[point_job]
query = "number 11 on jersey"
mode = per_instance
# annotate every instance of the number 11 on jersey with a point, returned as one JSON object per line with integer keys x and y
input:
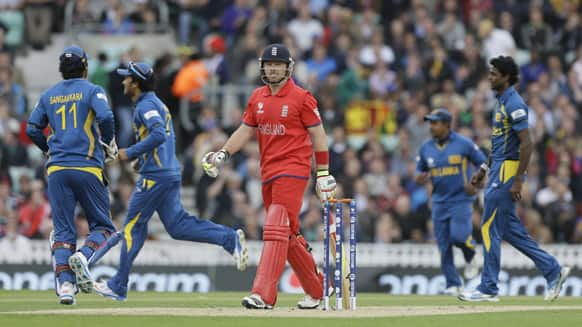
{"x": 63, "y": 112}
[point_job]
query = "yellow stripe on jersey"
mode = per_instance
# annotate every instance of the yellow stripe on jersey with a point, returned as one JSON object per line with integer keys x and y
{"x": 464, "y": 169}
{"x": 87, "y": 129}
{"x": 92, "y": 170}
{"x": 469, "y": 243}
{"x": 508, "y": 170}
{"x": 127, "y": 231}
{"x": 157, "y": 158}
{"x": 485, "y": 231}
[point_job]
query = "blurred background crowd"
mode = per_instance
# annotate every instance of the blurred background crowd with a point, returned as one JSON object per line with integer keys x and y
{"x": 376, "y": 68}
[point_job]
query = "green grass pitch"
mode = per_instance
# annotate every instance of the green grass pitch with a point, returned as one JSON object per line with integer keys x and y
{"x": 26, "y": 308}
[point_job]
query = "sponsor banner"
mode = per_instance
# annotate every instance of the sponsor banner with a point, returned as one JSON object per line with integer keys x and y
{"x": 390, "y": 280}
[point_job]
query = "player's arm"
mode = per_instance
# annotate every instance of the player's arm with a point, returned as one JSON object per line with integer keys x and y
{"x": 212, "y": 161}
{"x": 525, "y": 150}
{"x": 103, "y": 115}
{"x": 325, "y": 183}
{"x": 519, "y": 123}
{"x": 35, "y": 125}
{"x": 238, "y": 139}
{"x": 477, "y": 158}
{"x": 153, "y": 122}
{"x": 422, "y": 175}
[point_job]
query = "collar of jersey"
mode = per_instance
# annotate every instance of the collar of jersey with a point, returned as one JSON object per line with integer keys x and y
{"x": 449, "y": 138}
{"x": 283, "y": 92}
{"x": 143, "y": 95}
{"x": 509, "y": 92}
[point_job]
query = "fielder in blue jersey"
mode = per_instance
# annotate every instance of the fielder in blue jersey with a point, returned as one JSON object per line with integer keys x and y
{"x": 511, "y": 149}
{"x": 445, "y": 160}
{"x": 158, "y": 186}
{"x": 71, "y": 110}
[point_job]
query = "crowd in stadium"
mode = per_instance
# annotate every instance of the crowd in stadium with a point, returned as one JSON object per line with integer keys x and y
{"x": 375, "y": 67}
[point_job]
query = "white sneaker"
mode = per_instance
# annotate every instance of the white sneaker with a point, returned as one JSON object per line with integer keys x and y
{"x": 78, "y": 264}
{"x": 476, "y": 296}
{"x": 555, "y": 286}
{"x": 308, "y": 303}
{"x": 453, "y": 291}
{"x": 254, "y": 301}
{"x": 241, "y": 253}
{"x": 67, "y": 293}
{"x": 103, "y": 289}
{"x": 471, "y": 269}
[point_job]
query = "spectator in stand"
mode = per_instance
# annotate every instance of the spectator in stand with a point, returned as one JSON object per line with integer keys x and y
{"x": 305, "y": 29}
{"x": 39, "y": 19}
{"x": 13, "y": 92}
{"x": 117, "y": 22}
{"x": 34, "y": 211}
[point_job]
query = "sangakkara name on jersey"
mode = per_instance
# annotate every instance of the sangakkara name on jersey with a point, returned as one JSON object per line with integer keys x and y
{"x": 272, "y": 129}
{"x": 445, "y": 171}
{"x": 66, "y": 98}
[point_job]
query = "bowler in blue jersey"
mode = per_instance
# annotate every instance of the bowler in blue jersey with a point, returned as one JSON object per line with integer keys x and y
{"x": 80, "y": 121}
{"x": 446, "y": 160}
{"x": 158, "y": 186}
{"x": 511, "y": 148}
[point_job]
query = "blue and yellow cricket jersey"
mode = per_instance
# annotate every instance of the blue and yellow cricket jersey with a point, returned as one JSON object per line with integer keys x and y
{"x": 448, "y": 166}
{"x": 156, "y": 141}
{"x": 70, "y": 109}
{"x": 510, "y": 117}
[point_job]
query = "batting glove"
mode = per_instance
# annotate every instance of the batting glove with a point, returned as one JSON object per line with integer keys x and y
{"x": 325, "y": 185}
{"x": 111, "y": 150}
{"x": 212, "y": 161}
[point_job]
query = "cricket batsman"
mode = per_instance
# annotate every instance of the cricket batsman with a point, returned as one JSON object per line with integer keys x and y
{"x": 511, "y": 148}
{"x": 72, "y": 109}
{"x": 286, "y": 121}
{"x": 444, "y": 160}
{"x": 158, "y": 186}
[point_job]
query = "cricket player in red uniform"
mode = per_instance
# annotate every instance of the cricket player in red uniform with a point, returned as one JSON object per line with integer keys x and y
{"x": 289, "y": 131}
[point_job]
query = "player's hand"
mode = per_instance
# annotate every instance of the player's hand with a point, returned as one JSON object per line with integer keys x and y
{"x": 325, "y": 187}
{"x": 515, "y": 189}
{"x": 422, "y": 178}
{"x": 212, "y": 161}
{"x": 111, "y": 150}
{"x": 470, "y": 189}
{"x": 477, "y": 178}
{"x": 123, "y": 154}
{"x": 135, "y": 165}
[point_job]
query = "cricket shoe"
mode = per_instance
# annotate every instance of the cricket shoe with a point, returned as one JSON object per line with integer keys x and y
{"x": 103, "y": 289}
{"x": 308, "y": 303}
{"x": 67, "y": 293}
{"x": 241, "y": 253}
{"x": 453, "y": 291}
{"x": 254, "y": 301}
{"x": 80, "y": 267}
{"x": 477, "y": 296}
{"x": 555, "y": 286}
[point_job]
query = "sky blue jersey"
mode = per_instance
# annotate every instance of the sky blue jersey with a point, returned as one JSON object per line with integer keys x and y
{"x": 510, "y": 117}
{"x": 156, "y": 142}
{"x": 71, "y": 109}
{"x": 448, "y": 165}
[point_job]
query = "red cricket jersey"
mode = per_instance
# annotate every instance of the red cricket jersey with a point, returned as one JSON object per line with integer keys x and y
{"x": 281, "y": 121}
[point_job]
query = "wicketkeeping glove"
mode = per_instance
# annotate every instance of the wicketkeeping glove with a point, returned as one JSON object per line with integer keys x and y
{"x": 111, "y": 150}
{"x": 212, "y": 161}
{"x": 325, "y": 185}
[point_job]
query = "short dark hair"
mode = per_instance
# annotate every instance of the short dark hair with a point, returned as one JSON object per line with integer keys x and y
{"x": 506, "y": 67}
{"x": 145, "y": 86}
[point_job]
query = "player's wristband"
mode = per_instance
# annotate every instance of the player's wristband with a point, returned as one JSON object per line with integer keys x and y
{"x": 226, "y": 154}
{"x": 322, "y": 158}
{"x": 323, "y": 172}
{"x": 484, "y": 167}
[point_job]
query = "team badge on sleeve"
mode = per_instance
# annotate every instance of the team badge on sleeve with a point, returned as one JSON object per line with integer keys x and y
{"x": 102, "y": 96}
{"x": 518, "y": 114}
{"x": 151, "y": 113}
